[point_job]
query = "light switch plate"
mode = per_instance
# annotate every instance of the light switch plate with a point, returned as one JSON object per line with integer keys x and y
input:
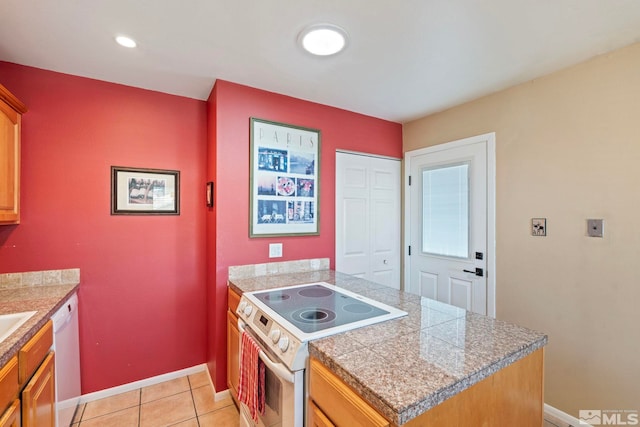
{"x": 275, "y": 250}
{"x": 595, "y": 227}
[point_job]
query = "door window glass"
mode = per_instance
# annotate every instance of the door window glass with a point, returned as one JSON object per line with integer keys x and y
{"x": 445, "y": 210}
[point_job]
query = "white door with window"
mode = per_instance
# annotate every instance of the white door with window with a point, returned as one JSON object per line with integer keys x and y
{"x": 368, "y": 217}
{"x": 450, "y": 217}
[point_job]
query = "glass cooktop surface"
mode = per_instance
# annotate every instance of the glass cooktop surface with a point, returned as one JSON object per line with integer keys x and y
{"x": 315, "y": 307}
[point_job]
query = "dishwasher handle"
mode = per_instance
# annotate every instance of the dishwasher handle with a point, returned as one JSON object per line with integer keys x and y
{"x": 277, "y": 368}
{"x": 64, "y": 313}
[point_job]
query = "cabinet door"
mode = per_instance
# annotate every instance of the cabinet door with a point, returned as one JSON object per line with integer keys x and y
{"x": 233, "y": 354}
{"x": 9, "y": 163}
{"x": 317, "y": 418}
{"x": 11, "y": 417}
{"x": 39, "y": 398}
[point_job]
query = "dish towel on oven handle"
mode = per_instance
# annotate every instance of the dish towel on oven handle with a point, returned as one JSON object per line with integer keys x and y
{"x": 251, "y": 385}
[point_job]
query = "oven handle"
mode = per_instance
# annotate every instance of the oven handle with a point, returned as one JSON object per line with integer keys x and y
{"x": 277, "y": 368}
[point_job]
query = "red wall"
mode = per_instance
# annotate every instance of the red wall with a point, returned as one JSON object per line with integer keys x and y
{"x": 142, "y": 293}
{"x": 230, "y": 107}
{"x": 153, "y": 286}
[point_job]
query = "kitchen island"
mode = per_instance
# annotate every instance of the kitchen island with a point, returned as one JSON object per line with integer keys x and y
{"x": 437, "y": 362}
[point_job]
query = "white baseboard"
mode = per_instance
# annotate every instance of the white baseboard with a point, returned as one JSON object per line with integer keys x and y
{"x": 145, "y": 383}
{"x": 553, "y": 414}
{"x": 221, "y": 395}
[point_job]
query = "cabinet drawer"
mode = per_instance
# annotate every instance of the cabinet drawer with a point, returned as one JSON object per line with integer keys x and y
{"x": 8, "y": 382}
{"x": 11, "y": 417}
{"x": 34, "y": 352}
{"x": 233, "y": 299}
{"x": 338, "y": 402}
{"x": 317, "y": 418}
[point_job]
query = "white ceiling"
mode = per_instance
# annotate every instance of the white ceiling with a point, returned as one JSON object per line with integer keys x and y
{"x": 405, "y": 59}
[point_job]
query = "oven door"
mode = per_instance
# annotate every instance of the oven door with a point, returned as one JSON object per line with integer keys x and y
{"x": 284, "y": 392}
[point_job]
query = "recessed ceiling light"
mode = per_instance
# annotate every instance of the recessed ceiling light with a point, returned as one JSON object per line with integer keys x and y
{"x": 126, "y": 41}
{"x": 323, "y": 39}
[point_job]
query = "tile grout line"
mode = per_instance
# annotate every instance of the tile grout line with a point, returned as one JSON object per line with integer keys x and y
{"x": 84, "y": 406}
{"x": 140, "y": 408}
{"x": 193, "y": 401}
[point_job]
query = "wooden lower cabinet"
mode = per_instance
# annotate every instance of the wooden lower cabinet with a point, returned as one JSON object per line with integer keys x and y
{"x": 513, "y": 396}
{"x": 27, "y": 384}
{"x": 34, "y": 352}
{"x": 11, "y": 417}
{"x": 336, "y": 402}
{"x": 39, "y": 396}
{"x": 317, "y": 418}
{"x": 233, "y": 345}
{"x": 233, "y": 356}
{"x": 9, "y": 389}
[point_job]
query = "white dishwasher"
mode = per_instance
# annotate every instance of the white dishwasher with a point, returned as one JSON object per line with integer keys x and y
{"x": 66, "y": 345}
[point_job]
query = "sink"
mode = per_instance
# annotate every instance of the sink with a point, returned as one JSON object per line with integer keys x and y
{"x": 10, "y": 322}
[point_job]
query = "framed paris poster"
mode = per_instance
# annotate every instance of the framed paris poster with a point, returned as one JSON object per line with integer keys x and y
{"x": 285, "y": 178}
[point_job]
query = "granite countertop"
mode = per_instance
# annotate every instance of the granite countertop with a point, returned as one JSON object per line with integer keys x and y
{"x": 406, "y": 366}
{"x": 44, "y": 300}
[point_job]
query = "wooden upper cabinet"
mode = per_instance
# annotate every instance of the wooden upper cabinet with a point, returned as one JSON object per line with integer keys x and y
{"x": 11, "y": 110}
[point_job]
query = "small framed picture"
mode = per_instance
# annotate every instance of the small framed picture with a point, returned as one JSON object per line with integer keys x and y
{"x": 138, "y": 191}
{"x": 538, "y": 226}
{"x": 209, "y": 194}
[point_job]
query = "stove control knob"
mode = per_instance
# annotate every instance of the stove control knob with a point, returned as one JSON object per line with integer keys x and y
{"x": 247, "y": 310}
{"x": 283, "y": 344}
{"x": 275, "y": 335}
{"x": 241, "y": 307}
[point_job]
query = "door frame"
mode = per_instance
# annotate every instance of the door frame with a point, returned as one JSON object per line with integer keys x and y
{"x": 490, "y": 139}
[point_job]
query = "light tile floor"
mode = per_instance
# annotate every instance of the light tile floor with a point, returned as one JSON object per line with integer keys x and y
{"x": 187, "y": 401}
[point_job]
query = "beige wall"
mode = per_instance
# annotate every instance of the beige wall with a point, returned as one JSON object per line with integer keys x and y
{"x": 568, "y": 149}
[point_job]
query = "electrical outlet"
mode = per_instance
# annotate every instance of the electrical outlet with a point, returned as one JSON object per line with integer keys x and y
{"x": 595, "y": 227}
{"x": 275, "y": 250}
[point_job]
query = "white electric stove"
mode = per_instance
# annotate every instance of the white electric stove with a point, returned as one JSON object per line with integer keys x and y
{"x": 287, "y": 318}
{"x": 282, "y": 321}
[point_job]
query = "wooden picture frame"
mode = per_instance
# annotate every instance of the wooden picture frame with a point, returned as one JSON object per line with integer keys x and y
{"x": 143, "y": 191}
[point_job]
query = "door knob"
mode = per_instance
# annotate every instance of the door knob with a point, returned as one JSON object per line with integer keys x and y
{"x": 479, "y": 272}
